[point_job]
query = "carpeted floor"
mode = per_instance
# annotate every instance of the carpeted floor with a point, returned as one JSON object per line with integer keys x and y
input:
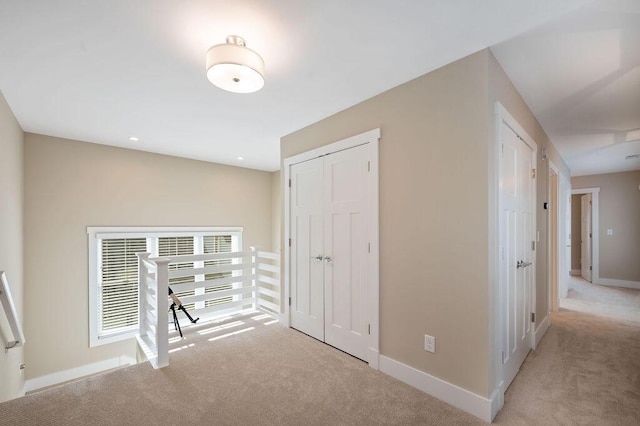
{"x": 251, "y": 371}
{"x": 586, "y": 370}
{"x": 244, "y": 371}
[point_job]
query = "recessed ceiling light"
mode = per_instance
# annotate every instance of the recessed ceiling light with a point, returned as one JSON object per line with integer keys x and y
{"x": 133, "y": 138}
{"x": 240, "y": 158}
{"x": 632, "y": 157}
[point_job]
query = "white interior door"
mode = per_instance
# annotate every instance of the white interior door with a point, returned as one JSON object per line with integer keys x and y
{"x": 567, "y": 255}
{"x": 517, "y": 186}
{"x": 307, "y": 230}
{"x": 328, "y": 219}
{"x": 585, "y": 237}
{"x": 345, "y": 203}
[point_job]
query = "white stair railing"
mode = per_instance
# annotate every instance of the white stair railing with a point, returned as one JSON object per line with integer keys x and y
{"x": 12, "y": 316}
{"x": 251, "y": 280}
{"x": 267, "y": 278}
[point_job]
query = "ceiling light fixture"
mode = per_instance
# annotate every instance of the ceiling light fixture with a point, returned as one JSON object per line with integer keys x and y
{"x": 133, "y": 138}
{"x": 234, "y": 67}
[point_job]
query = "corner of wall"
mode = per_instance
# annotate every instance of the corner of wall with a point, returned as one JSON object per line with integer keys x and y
{"x": 11, "y": 243}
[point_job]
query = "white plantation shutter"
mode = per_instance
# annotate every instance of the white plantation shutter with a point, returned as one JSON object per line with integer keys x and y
{"x": 177, "y": 246}
{"x": 217, "y": 244}
{"x": 118, "y": 301}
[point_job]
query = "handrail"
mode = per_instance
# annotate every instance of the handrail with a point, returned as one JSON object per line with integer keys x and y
{"x": 257, "y": 274}
{"x": 10, "y": 312}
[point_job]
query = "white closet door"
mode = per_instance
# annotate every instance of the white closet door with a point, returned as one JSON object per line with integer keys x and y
{"x": 307, "y": 231}
{"x": 345, "y": 248}
{"x": 329, "y": 202}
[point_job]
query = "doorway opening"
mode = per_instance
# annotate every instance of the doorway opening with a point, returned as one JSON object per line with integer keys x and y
{"x": 585, "y": 234}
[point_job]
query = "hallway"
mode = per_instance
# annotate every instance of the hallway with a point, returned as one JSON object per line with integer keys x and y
{"x": 586, "y": 370}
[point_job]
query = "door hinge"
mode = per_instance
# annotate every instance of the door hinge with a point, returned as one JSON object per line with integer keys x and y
{"x": 533, "y": 246}
{"x": 590, "y": 236}
{"x": 369, "y": 329}
{"x": 533, "y": 173}
{"x": 503, "y": 357}
{"x": 289, "y": 183}
{"x": 502, "y": 150}
{"x": 289, "y": 242}
{"x": 533, "y": 317}
{"x": 368, "y": 166}
{"x": 289, "y": 301}
{"x": 369, "y": 247}
{"x": 591, "y": 268}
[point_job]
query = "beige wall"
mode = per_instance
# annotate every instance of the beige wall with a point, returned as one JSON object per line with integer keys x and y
{"x": 576, "y": 225}
{"x": 11, "y": 260}
{"x": 70, "y": 185}
{"x": 433, "y": 215}
{"x": 436, "y": 170}
{"x": 619, "y": 200}
{"x": 501, "y": 89}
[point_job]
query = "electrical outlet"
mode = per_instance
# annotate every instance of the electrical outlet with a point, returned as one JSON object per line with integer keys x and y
{"x": 429, "y": 343}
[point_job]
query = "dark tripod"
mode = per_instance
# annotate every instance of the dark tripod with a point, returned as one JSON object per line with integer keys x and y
{"x": 178, "y": 303}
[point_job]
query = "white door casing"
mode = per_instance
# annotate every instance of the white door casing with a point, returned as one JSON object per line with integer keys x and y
{"x": 553, "y": 238}
{"x": 566, "y": 270}
{"x": 350, "y": 253}
{"x": 585, "y": 237}
{"x": 516, "y": 261}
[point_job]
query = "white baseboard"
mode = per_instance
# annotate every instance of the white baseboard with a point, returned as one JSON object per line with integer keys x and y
{"x": 575, "y": 272}
{"x": 463, "y": 399}
{"x": 542, "y": 328}
{"x": 76, "y": 373}
{"x": 618, "y": 283}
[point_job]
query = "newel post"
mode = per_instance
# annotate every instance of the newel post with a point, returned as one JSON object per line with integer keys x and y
{"x": 162, "y": 309}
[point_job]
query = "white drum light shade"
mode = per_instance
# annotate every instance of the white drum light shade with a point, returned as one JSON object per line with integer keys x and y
{"x": 234, "y": 67}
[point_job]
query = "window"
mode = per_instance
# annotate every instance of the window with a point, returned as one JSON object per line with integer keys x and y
{"x": 113, "y": 271}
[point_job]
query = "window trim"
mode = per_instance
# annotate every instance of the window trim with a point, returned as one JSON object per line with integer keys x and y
{"x": 97, "y": 233}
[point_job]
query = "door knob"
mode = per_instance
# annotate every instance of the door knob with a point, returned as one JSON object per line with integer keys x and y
{"x": 522, "y": 264}
{"x": 318, "y": 258}
{"x": 328, "y": 259}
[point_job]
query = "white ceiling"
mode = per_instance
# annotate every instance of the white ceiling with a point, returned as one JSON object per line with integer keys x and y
{"x": 101, "y": 71}
{"x": 580, "y": 75}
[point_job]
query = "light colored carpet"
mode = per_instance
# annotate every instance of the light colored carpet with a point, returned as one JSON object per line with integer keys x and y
{"x": 615, "y": 303}
{"x": 250, "y": 371}
{"x": 268, "y": 375}
{"x": 586, "y": 370}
